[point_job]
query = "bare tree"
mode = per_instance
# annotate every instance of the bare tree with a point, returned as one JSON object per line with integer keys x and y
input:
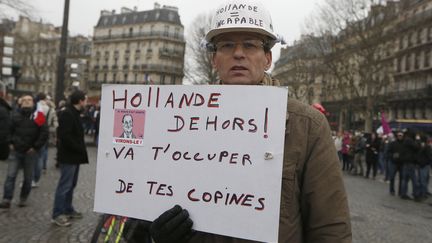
{"x": 21, "y": 6}
{"x": 33, "y": 58}
{"x": 299, "y": 72}
{"x": 199, "y": 69}
{"x": 354, "y": 37}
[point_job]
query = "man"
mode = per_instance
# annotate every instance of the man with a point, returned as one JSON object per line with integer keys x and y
{"x": 395, "y": 151}
{"x": 4, "y": 128}
{"x": 313, "y": 199}
{"x": 49, "y": 114}
{"x": 28, "y": 137}
{"x": 71, "y": 153}
{"x": 127, "y": 122}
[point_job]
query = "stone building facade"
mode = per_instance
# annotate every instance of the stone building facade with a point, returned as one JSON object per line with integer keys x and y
{"x": 404, "y": 58}
{"x": 137, "y": 47}
{"x": 36, "y": 54}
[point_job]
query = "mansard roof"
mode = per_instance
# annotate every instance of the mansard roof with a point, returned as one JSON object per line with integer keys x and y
{"x": 132, "y": 18}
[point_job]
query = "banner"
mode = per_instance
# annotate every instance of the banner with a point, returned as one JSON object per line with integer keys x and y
{"x": 217, "y": 151}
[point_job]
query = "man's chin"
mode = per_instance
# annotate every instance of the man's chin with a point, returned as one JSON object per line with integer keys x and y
{"x": 239, "y": 81}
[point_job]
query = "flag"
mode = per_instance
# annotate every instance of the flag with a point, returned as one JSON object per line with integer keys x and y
{"x": 384, "y": 124}
{"x": 38, "y": 115}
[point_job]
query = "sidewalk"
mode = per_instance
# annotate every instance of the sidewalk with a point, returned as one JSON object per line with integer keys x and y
{"x": 33, "y": 223}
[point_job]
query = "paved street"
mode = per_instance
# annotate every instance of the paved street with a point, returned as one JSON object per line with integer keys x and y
{"x": 376, "y": 216}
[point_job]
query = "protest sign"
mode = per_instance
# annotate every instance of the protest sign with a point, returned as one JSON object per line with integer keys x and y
{"x": 215, "y": 150}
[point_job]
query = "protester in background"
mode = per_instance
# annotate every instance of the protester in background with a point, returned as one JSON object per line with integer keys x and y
{"x": 42, "y": 105}
{"x": 97, "y": 121}
{"x": 71, "y": 153}
{"x": 314, "y": 206}
{"x": 5, "y": 123}
{"x": 337, "y": 139}
{"x": 60, "y": 108}
{"x": 408, "y": 156}
{"x": 346, "y": 155}
{"x": 29, "y": 134}
{"x": 52, "y": 121}
{"x": 424, "y": 158}
{"x": 373, "y": 143}
{"x": 396, "y": 148}
{"x": 359, "y": 153}
{"x": 384, "y": 155}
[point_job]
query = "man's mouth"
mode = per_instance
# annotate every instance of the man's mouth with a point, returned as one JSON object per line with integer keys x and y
{"x": 238, "y": 68}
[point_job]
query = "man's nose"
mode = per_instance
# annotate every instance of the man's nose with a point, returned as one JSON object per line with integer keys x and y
{"x": 238, "y": 50}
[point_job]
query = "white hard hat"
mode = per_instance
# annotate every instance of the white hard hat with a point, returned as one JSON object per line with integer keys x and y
{"x": 243, "y": 15}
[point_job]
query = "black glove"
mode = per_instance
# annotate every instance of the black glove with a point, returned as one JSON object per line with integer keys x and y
{"x": 174, "y": 225}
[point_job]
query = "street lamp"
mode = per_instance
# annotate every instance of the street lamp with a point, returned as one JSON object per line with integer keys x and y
{"x": 62, "y": 55}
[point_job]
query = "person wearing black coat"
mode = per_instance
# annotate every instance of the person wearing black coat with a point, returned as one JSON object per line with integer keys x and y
{"x": 424, "y": 159}
{"x": 410, "y": 149}
{"x": 373, "y": 143}
{"x": 5, "y": 123}
{"x": 28, "y": 134}
{"x": 71, "y": 154}
{"x": 394, "y": 155}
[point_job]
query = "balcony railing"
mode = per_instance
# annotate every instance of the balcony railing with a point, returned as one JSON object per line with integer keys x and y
{"x": 161, "y": 68}
{"x": 148, "y": 34}
{"x": 169, "y": 53}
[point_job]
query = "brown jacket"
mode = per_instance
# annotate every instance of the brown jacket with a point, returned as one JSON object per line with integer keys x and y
{"x": 314, "y": 207}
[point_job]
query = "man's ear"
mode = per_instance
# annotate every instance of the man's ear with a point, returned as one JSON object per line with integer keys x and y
{"x": 269, "y": 59}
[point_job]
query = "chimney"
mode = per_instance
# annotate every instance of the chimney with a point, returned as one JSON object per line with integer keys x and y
{"x": 125, "y": 10}
{"x": 156, "y": 5}
{"x": 105, "y": 12}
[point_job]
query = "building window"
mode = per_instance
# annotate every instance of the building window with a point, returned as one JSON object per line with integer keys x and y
{"x": 176, "y": 32}
{"x": 125, "y": 77}
{"x": 429, "y": 37}
{"x": 96, "y": 77}
{"x": 407, "y": 66}
{"x": 419, "y": 34}
{"x": 411, "y": 39}
{"x": 427, "y": 58}
{"x": 162, "y": 79}
{"x": 399, "y": 65}
{"x": 417, "y": 57}
{"x": 136, "y": 78}
{"x": 114, "y": 78}
{"x": 166, "y": 30}
{"x": 105, "y": 77}
{"x": 173, "y": 78}
{"x": 130, "y": 32}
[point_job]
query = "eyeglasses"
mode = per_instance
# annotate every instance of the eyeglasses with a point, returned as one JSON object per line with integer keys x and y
{"x": 248, "y": 46}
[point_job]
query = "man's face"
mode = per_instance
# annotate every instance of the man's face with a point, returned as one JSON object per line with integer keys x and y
{"x": 27, "y": 101}
{"x": 127, "y": 124}
{"x": 240, "y": 58}
{"x": 399, "y": 136}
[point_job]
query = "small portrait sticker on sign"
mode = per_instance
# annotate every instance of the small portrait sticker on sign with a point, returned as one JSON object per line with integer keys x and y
{"x": 129, "y": 126}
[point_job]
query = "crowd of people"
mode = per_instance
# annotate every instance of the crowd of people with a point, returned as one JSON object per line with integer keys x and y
{"x": 30, "y": 124}
{"x": 403, "y": 153}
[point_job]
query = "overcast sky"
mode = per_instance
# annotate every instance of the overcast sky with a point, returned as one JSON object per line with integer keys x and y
{"x": 287, "y": 14}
